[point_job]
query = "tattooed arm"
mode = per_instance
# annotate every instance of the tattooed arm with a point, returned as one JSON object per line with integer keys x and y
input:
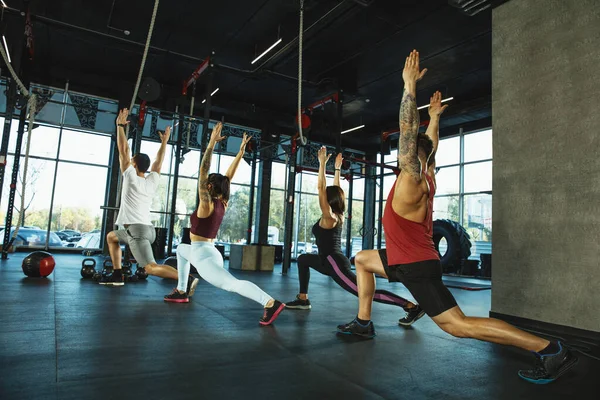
{"x": 205, "y": 200}
{"x": 409, "y": 118}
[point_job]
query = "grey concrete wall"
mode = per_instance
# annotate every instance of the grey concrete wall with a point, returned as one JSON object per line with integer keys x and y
{"x": 546, "y": 124}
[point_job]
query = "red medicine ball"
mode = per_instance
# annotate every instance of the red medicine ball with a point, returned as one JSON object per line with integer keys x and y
{"x": 38, "y": 264}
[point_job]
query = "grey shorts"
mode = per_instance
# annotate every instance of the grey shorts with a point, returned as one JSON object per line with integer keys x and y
{"x": 139, "y": 238}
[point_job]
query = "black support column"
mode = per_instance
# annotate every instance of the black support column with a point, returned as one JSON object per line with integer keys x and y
{"x": 25, "y": 63}
{"x": 178, "y": 155}
{"x": 288, "y": 235}
{"x": 369, "y": 204}
{"x": 251, "y": 210}
{"x": 11, "y": 98}
{"x": 263, "y": 203}
{"x": 350, "y": 220}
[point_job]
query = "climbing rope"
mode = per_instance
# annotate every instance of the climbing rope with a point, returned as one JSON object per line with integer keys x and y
{"x": 141, "y": 71}
{"x": 31, "y": 109}
{"x": 300, "y": 36}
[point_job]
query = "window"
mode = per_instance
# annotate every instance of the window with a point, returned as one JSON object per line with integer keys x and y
{"x": 478, "y": 222}
{"x": 478, "y": 177}
{"x": 79, "y": 209}
{"x": 357, "y": 226}
{"x": 243, "y": 173}
{"x": 276, "y": 216}
{"x": 84, "y": 147}
{"x": 448, "y": 180}
{"x": 44, "y": 140}
{"x": 478, "y": 146}
{"x": 446, "y": 208}
{"x": 448, "y": 152}
{"x": 38, "y": 192}
{"x": 234, "y": 228}
{"x": 278, "y": 175}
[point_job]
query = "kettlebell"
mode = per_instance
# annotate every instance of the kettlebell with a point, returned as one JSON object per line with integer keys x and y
{"x": 141, "y": 273}
{"x": 88, "y": 268}
{"x": 108, "y": 268}
{"x": 127, "y": 270}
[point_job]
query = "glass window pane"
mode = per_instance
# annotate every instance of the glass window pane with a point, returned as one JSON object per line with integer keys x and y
{"x": 391, "y": 158}
{"x": 357, "y": 225}
{"x": 446, "y": 208}
{"x": 187, "y": 192}
{"x": 276, "y": 215}
{"x": 478, "y": 177}
{"x": 38, "y": 192}
{"x": 85, "y": 147}
{"x": 235, "y": 222}
{"x": 448, "y": 152}
{"x": 151, "y": 149}
{"x": 478, "y": 146}
{"x": 161, "y": 202}
{"x": 44, "y": 140}
{"x": 478, "y": 222}
{"x": 278, "y": 175}
{"x": 244, "y": 170}
{"x": 79, "y": 210}
{"x": 448, "y": 180}
{"x": 358, "y": 189}
{"x": 310, "y": 212}
{"x": 190, "y": 165}
{"x": 309, "y": 182}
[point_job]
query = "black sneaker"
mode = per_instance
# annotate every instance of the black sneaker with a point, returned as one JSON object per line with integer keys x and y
{"x": 191, "y": 286}
{"x": 412, "y": 315}
{"x": 298, "y": 304}
{"x": 112, "y": 280}
{"x": 354, "y": 328}
{"x": 549, "y": 368}
{"x": 272, "y": 313}
{"x": 176, "y": 297}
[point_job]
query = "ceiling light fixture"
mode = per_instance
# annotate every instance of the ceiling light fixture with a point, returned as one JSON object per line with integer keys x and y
{"x": 443, "y": 101}
{"x": 4, "y": 4}
{"x": 353, "y": 129}
{"x": 266, "y": 51}
{"x": 6, "y": 48}
{"x": 212, "y": 94}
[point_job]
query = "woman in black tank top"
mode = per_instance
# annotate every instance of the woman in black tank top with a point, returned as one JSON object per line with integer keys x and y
{"x": 328, "y": 233}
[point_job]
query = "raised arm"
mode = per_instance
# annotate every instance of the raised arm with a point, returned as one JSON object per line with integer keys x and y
{"x": 338, "y": 166}
{"x": 122, "y": 145}
{"x": 236, "y": 161}
{"x": 160, "y": 156}
{"x": 322, "y": 185}
{"x": 409, "y": 118}
{"x": 435, "y": 111}
{"x": 203, "y": 193}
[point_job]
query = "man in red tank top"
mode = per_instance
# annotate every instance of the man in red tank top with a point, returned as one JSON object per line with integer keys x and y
{"x": 411, "y": 257}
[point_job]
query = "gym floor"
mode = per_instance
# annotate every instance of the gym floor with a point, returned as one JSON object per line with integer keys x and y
{"x": 68, "y": 338}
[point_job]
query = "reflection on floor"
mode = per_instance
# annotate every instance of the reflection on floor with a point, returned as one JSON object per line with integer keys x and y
{"x": 68, "y": 338}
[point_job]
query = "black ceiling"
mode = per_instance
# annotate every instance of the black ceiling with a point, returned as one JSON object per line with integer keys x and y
{"x": 359, "y": 49}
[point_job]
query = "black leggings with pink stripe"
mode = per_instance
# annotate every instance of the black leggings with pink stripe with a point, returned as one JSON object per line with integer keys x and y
{"x": 338, "y": 267}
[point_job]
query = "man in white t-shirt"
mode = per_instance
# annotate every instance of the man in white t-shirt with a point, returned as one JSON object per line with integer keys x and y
{"x": 135, "y": 225}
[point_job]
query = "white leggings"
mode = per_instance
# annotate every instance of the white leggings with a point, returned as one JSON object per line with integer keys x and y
{"x": 209, "y": 263}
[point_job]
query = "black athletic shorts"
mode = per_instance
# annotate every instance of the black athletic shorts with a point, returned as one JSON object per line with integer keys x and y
{"x": 424, "y": 281}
